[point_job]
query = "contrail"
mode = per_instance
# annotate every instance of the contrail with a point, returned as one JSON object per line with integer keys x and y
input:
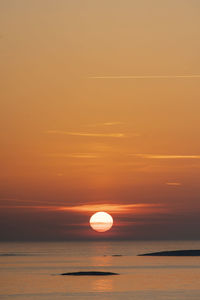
{"x": 146, "y": 77}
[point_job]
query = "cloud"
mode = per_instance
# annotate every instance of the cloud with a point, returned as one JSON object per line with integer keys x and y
{"x": 112, "y": 208}
{"x": 147, "y": 77}
{"x": 39, "y": 207}
{"x": 168, "y": 156}
{"x": 112, "y": 123}
{"x": 105, "y": 124}
{"x": 87, "y": 134}
{"x": 74, "y": 155}
{"x": 8, "y": 199}
{"x": 173, "y": 183}
{"x": 139, "y": 208}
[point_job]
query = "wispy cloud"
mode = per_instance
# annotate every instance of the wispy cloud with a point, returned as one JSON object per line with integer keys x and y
{"x": 112, "y": 123}
{"x": 8, "y": 199}
{"x": 139, "y": 208}
{"x": 38, "y": 207}
{"x": 173, "y": 183}
{"x": 168, "y": 156}
{"x": 112, "y": 208}
{"x": 146, "y": 76}
{"x": 87, "y": 134}
{"x": 73, "y": 155}
{"x": 105, "y": 124}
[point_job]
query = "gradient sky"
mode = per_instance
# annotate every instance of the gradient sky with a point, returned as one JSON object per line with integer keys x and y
{"x": 99, "y": 111}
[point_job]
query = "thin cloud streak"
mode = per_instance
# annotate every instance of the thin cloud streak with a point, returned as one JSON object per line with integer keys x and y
{"x": 112, "y": 208}
{"x": 160, "y": 156}
{"x": 39, "y": 207}
{"x": 173, "y": 183}
{"x": 73, "y": 155}
{"x": 106, "y": 124}
{"x": 142, "y": 208}
{"x": 87, "y": 134}
{"x": 147, "y": 77}
{"x": 112, "y": 123}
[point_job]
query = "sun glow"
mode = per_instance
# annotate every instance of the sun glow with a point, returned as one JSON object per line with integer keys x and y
{"x": 101, "y": 221}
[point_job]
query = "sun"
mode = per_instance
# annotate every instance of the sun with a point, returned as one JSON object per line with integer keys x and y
{"x": 101, "y": 221}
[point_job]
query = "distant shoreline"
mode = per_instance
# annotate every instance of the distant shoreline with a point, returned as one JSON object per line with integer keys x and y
{"x": 174, "y": 253}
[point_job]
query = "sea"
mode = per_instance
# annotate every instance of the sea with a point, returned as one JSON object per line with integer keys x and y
{"x": 31, "y": 271}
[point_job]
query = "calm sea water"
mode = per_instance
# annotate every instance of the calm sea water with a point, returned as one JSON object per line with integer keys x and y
{"x": 31, "y": 271}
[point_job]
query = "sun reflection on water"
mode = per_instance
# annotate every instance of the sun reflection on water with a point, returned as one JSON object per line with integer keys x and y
{"x": 103, "y": 285}
{"x": 101, "y": 261}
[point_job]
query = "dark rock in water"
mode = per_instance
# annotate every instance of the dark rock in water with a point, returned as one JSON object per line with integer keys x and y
{"x": 89, "y": 273}
{"x": 174, "y": 253}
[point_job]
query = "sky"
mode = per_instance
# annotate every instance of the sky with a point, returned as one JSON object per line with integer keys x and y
{"x": 99, "y": 112}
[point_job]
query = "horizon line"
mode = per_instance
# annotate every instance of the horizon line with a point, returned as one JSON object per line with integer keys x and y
{"x": 145, "y": 76}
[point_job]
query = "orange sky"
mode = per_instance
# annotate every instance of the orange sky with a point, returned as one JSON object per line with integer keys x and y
{"x": 99, "y": 108}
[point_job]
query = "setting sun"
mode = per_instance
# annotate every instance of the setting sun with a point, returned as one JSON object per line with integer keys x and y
{"x": 101, "y": 221}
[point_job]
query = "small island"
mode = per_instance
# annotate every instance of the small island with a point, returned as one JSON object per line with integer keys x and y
{"x": 89, "y": 273}
{"x": 174, "y": 253}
